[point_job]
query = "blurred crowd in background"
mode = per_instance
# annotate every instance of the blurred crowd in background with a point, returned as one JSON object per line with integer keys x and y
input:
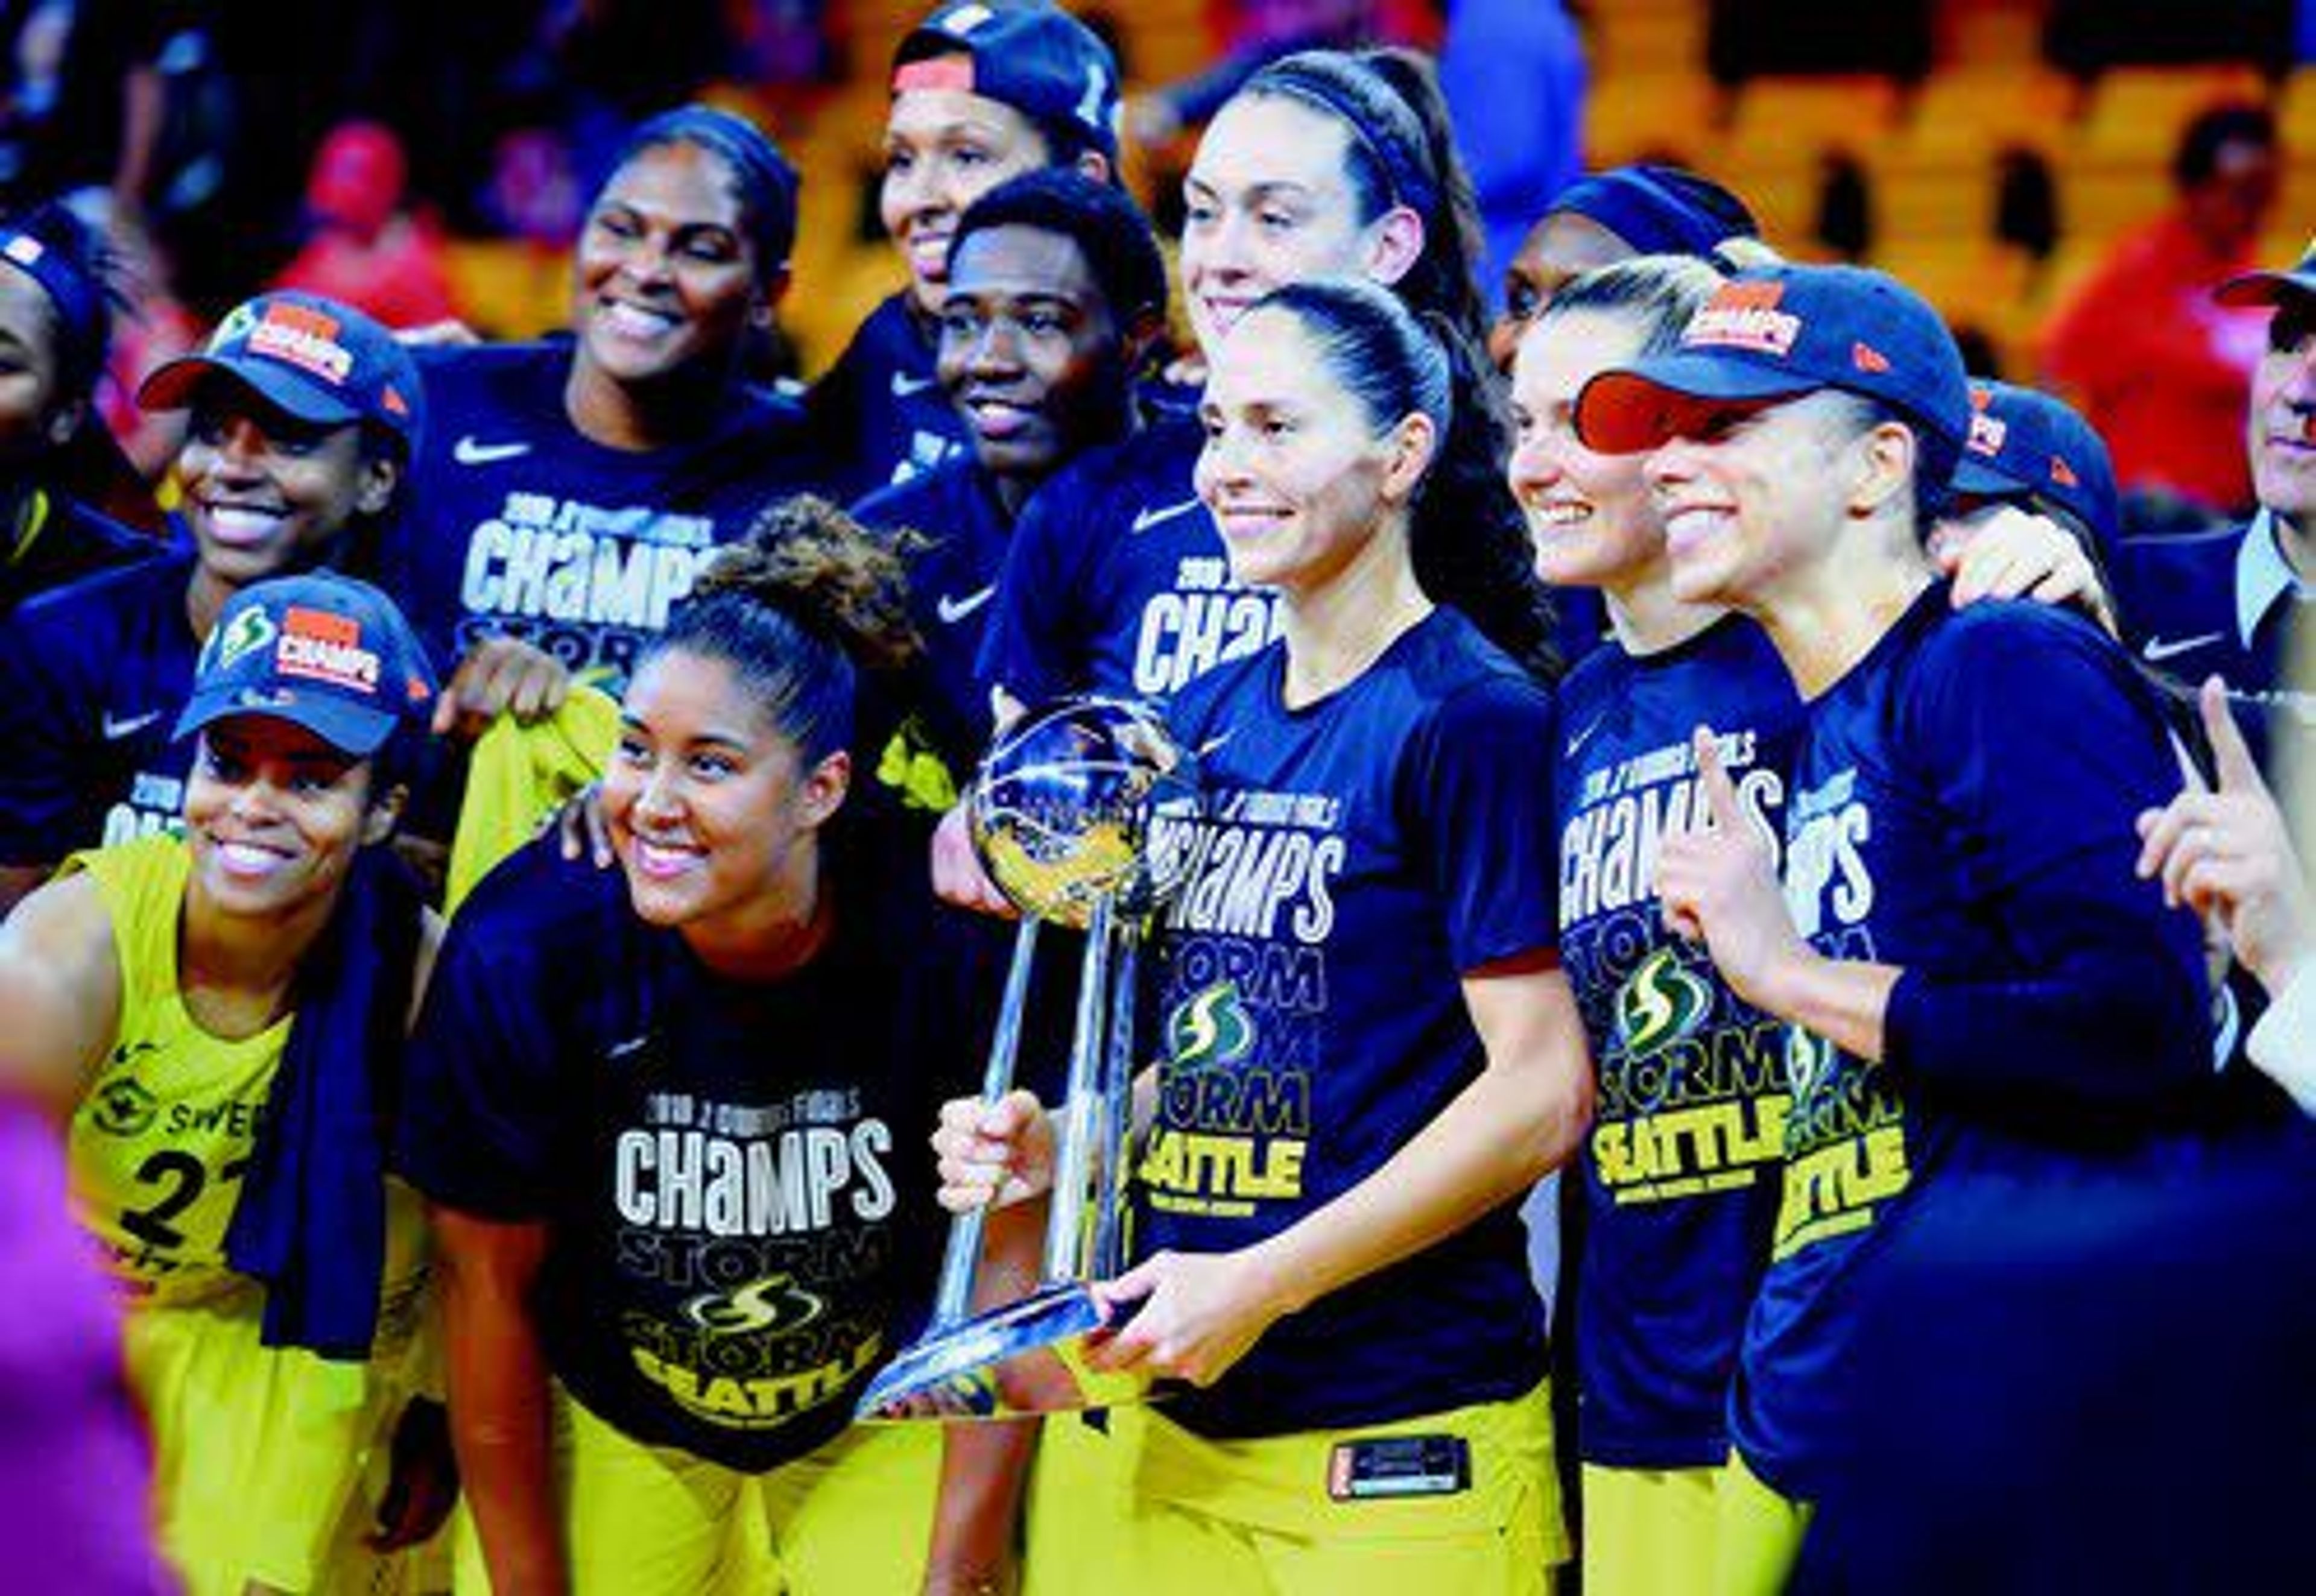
{"x": 426, "y": 160}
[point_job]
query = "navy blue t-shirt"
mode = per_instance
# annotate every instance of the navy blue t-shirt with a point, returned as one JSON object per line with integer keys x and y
{"x": 92, "y": 680}
{"x": 1117, "y": 580}
{"x": 952, "y": 586}
{"x": 1680, "y": 1169}
{"x": 63, "y": 541}
{"x": 521, "y": 524}
{"x": 2124, "y": 1402}
{"x": 1356, "y": 858}
{"x": 879, "y": 417}
{"x": 1962, "y": 807}
{"x": 734, "y": 1174}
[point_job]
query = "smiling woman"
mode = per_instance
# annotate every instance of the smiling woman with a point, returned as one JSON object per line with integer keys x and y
{"x": 1325, "y": 164}
{"x": 1370, "y": 1053}
{"x": 664, "y": 1113}
{"x": 1056, "y": 293}
{"x": 570, "y": 491}
{"x": 980, "y": 94}
{"x": 1974, "y": 977}
{"x": 220, "y": 1018}
{"x": 304, "y": 414}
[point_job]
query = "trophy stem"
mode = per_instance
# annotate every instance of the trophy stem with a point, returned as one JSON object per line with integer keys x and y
{"x": 1117, "y": 1110}
{"x": 1074, "y": 1158}
{"x": 963, "y": 1254}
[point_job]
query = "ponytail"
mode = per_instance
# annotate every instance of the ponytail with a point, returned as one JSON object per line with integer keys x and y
{"x": 1446, "y": 278}
{"x": 1468, "y": 539}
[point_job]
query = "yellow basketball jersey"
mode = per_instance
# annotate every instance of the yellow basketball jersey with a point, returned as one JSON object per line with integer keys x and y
{"x": 260, "y": 1452}
{"x": 162, "y": 1133}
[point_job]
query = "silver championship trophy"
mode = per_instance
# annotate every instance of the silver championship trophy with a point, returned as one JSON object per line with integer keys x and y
{"x": 1061, "y": 813}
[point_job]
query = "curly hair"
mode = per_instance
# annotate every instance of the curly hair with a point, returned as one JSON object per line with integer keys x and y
{"x": 798, "y": 607}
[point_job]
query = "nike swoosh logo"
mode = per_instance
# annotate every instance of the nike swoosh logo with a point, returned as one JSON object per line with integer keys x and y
{"x": 116, "y": 727}
{"x": 1213, "y": 744}
{"x": 471, "y": 450}
{"x": 1146, "y": 518}
{"x": 906, "y": 386}
{"x": 2158, "y": 649}
{"x": 1581, "y": 737}
{"x": 627, "y": 1049}
{"x": 953, "y": 611}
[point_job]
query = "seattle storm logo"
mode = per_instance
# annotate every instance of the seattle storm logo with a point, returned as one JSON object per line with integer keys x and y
{"x": 1209, "y": 1027}
{"x": 1660, "y": 1003}
{"x": 775, "y": 1303}
{"x": 1809, "y": 1061}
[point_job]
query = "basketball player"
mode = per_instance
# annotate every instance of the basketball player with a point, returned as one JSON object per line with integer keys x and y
{"x": 1370, "y": 1054}
{"x": 1681, "y": 1186}
{"x": 1055, "y": 293}
{"x": 569, "y": 491}
{"x": 981, "y": 93}
{"x": 221, "y": 1014}
{"x": 302, "y": 415}
{"x": 1967, "y": 959}
{"x": 663, "y": 1116}
{"x": 1324, "y": 163}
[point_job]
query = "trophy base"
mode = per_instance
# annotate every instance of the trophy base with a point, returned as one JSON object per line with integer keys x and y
{"x": 1025, "y": 1358}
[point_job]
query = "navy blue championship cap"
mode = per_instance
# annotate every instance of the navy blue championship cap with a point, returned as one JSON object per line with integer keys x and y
{"x": 2271, "y": 288}
{"x": 1659, "y": 210}
{"x": 2026, "y": 443}
{"x": 1779, "y": 332}
{"x": 1028, "y": 54}
{"x": 323, "y": 652}
{"x": 313, "y": 358}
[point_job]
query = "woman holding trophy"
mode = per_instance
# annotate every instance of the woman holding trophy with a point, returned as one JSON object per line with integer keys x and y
{"x": 1367, "y": 1052}
{"x": 662, "y": 1117}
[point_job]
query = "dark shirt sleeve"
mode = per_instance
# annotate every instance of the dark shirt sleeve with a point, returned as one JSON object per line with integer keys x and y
{"x": 1477, "y": 785}
{"x": 38, "y": 698}
{"x": 482, "y": 1109}
{"x": 2104, "y": 998}
{"x": 832, "y": 409}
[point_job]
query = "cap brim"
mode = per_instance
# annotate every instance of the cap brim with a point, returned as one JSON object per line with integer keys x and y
{"x": 2266, "y": 288}
{"x": 1623, "y": 412}
{"x": 348, "y": 728}
{"x": 171, "y": 386}
{"x": 1980, "y": 477}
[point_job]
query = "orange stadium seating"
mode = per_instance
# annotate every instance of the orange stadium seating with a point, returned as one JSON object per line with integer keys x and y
{"x": 1930, "y": 151}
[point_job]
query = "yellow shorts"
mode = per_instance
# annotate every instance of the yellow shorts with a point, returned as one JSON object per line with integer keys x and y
{"x": 1650, "y": 1531}
{"x": 1758, "y": 1534}
{"x": 855, "y": 1516}
{"x": 257, "y": 1450}
{"x": 1223, "y": 1518}
{"x": 1075, "y": 1507}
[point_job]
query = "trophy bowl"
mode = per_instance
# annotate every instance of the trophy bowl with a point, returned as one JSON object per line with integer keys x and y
{"x": 1083, "y": 814}
{"x": 1062, "y": 807}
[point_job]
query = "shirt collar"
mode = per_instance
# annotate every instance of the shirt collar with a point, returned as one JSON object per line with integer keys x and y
{"x": 2264, "y": 577}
